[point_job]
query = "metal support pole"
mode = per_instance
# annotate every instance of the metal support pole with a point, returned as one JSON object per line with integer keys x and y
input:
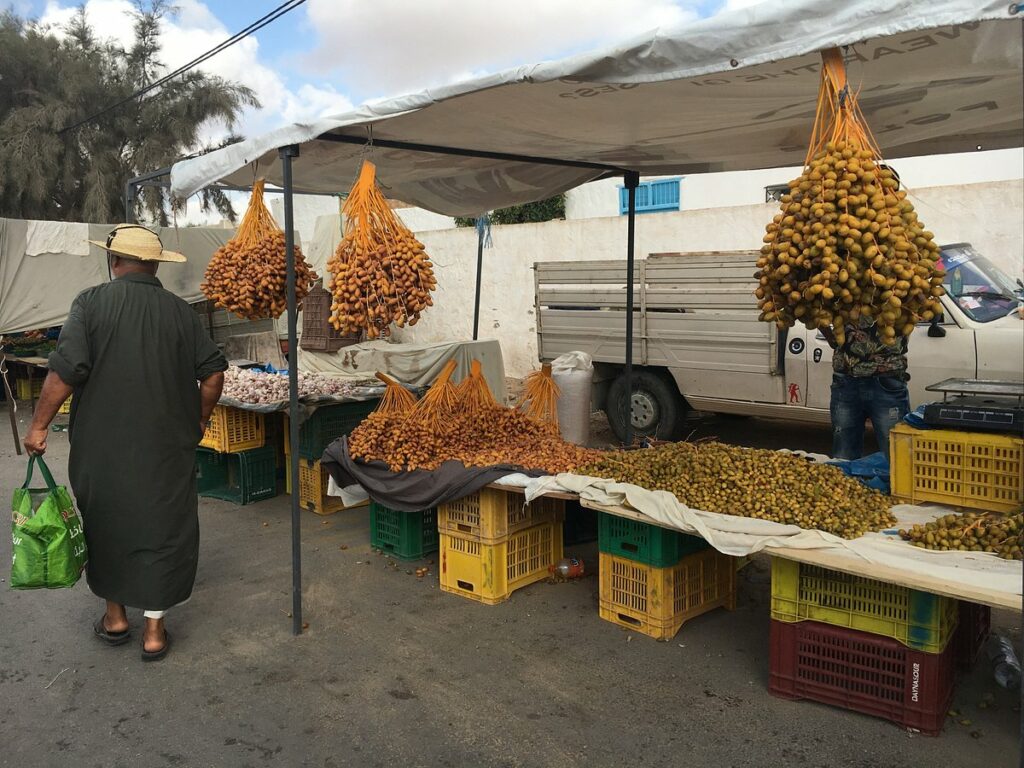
{"x": 286, "y": 154}
{"x": 632, "y": 181}
{"x": 129, "y": 202}
{"x": 479, "y": 272}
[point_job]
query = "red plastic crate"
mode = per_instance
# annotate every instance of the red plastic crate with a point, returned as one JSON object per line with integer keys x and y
{"x": 971, "y": 633}
{"x": 856, "y": 670}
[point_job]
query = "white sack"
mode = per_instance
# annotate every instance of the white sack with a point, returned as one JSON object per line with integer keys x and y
{"x": 573, "y": 374}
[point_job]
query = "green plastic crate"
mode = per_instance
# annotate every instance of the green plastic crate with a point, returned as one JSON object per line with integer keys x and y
{"x": 242, "y": 477}
{"x": 329, "y": 423}
{"x": 919, "y": 620}
{"x": 405, "y": 535}
{"x": 645, "y": 543}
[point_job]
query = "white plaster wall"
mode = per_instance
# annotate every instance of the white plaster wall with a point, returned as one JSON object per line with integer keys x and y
{"x": 988, "y": 215}
{"x": 422, "y": 220}
{"x": 305, "y": 211}
{"x": 713, "y": 190}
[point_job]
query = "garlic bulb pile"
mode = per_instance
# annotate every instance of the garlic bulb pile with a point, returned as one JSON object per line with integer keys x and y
{"x": 252, "y": 386}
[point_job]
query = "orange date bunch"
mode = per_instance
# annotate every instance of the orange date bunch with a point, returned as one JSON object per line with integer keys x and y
{"x": 847, "y": 244}
{"x": 248, "y": 274}
{"x": 381, "y": 274}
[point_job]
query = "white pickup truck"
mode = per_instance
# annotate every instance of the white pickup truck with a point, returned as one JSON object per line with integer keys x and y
{"x": 698, "y": 343}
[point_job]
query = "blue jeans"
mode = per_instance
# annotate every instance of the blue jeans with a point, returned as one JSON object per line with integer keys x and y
{"x": 883, "y": 399}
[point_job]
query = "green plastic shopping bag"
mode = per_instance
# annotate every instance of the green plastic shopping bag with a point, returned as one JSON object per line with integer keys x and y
{"x": 49, "y": 545}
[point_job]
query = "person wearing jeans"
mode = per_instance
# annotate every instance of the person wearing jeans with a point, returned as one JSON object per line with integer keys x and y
{"x": 869, "y": 382}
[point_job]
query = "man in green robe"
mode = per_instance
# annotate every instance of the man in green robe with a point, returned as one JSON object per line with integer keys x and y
{"x": 145, "y": 377}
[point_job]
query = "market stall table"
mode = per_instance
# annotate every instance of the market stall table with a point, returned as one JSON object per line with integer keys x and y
{"x": 31, "y": 364}
{"x": 847, "y": 561}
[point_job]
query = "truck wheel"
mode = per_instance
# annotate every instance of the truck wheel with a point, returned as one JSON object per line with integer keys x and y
{"x": 656, "y": 407}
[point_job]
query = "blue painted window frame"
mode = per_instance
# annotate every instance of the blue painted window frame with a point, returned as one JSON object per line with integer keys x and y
{"x": 653, "y": 196}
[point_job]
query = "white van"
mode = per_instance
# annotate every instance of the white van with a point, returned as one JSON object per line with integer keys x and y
{"x": 698, "y": 343}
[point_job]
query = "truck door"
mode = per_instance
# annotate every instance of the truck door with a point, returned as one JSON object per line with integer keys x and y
{"x": 819, "y": 371}
{"x": 795, "y": 378}
{"x": 929, "y": 360}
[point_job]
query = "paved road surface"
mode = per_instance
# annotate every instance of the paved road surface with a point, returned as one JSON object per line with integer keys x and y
{"x": 392, "y": 672}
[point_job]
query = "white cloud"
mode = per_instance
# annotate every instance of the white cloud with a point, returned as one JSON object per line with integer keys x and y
{"x": 735, "y": 5}
{"x": 395, "y": 46}
{"x": 192, "y": 32}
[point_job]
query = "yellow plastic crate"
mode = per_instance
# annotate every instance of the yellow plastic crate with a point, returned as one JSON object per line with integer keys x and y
{"x": 657, "y": 601}
{"x": 919, "y": 620}
{"x": 975, "y": 470}
{"x": 233, "y": 430}
{"x": 313, "y": 489}
{"x": 65, "y": 406}
{"x": 491, "y": 515}
{"x": 490, "y": 573}
{"x": 27, "y": 390}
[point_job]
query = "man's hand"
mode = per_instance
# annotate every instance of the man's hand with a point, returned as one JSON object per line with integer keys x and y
{"x": 35, "y": 441}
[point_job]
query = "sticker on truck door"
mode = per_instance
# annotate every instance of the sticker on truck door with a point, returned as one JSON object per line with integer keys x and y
{"x": 796, "y": 346}
{"x": 817, "y": 355}
{"x": 794, "y": 393}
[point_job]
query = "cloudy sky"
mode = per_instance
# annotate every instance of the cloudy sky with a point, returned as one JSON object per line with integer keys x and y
{"x": 328, "y": 55}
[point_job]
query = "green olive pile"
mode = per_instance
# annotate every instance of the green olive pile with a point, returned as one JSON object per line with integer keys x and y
{"x": 749, "y": 482}
{"x": 847, "y": 245}
{"x": 971, "y": 532}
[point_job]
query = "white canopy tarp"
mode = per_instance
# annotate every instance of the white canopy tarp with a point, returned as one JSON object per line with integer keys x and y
{"x": 732, "y": 92}
{"x": 45, "y": 264}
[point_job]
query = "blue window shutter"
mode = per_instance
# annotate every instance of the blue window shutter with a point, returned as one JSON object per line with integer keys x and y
{"x": 661, "y": 195}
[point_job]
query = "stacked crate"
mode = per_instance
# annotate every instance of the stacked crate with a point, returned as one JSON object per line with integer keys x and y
{"x": 862, "y": 644}
{"x": 653, "y": 580}
{"x": 974, "y": 470}
{"x": 493, "y": 543}
{"x": 323, "y": 427}
{"x": 405, "y": 535}
{"x": 318, "y": 335}
{"x": 232, "y": 462}
{"x": 28, "y": 389}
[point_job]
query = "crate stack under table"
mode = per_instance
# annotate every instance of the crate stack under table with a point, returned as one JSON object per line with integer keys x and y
{"x": 653, "y": 579}
{"x": 493, "y": 543}
{"x": 233, "y": 462}
{"x": 323, "y": 427}
{"x": 869, "y": 646}
{"x": 404, "y": 535}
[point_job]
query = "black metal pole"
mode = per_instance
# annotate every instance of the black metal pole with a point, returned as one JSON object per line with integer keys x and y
{"x": 129, "y": 202}
{"x": 286, "y": 154}
{"x": 479, "y": 272}
{"x": 632, "y": 180}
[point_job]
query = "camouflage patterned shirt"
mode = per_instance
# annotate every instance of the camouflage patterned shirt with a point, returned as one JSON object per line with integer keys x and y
{"x": 864, "y": 354}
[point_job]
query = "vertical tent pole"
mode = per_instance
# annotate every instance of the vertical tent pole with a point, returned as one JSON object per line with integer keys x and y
{"x": 286, "y": 154}
{"x": 479, "y": 272}
{"x": 631, "y": 180}
{"x": 129, "y": 202}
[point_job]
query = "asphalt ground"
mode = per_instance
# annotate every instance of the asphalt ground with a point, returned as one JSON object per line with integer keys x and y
{"x": 393, "y": 672}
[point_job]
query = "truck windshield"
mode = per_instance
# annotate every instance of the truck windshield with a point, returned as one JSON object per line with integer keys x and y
{"x": 978, "y": 287}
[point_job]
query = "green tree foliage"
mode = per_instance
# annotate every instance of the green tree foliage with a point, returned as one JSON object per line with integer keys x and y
{"x": 50, "y": 81}
{"x": 528, "y": 213}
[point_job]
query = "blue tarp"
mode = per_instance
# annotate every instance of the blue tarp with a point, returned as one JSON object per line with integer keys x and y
{"x": 872, "y": 470}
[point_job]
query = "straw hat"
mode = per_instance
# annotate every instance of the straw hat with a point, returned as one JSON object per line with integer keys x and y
{"x": 132, "y": 241}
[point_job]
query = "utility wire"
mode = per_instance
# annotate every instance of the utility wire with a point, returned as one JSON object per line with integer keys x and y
{"x": 275, "y": 14}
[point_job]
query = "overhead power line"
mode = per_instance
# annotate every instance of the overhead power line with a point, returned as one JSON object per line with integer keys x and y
{"x": 255, "y": 26}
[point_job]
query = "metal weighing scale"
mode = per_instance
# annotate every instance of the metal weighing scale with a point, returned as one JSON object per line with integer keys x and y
{"x": 996, "y": 406}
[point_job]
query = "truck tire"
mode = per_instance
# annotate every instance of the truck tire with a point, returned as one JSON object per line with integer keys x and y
{"x": 658, "y": 409}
